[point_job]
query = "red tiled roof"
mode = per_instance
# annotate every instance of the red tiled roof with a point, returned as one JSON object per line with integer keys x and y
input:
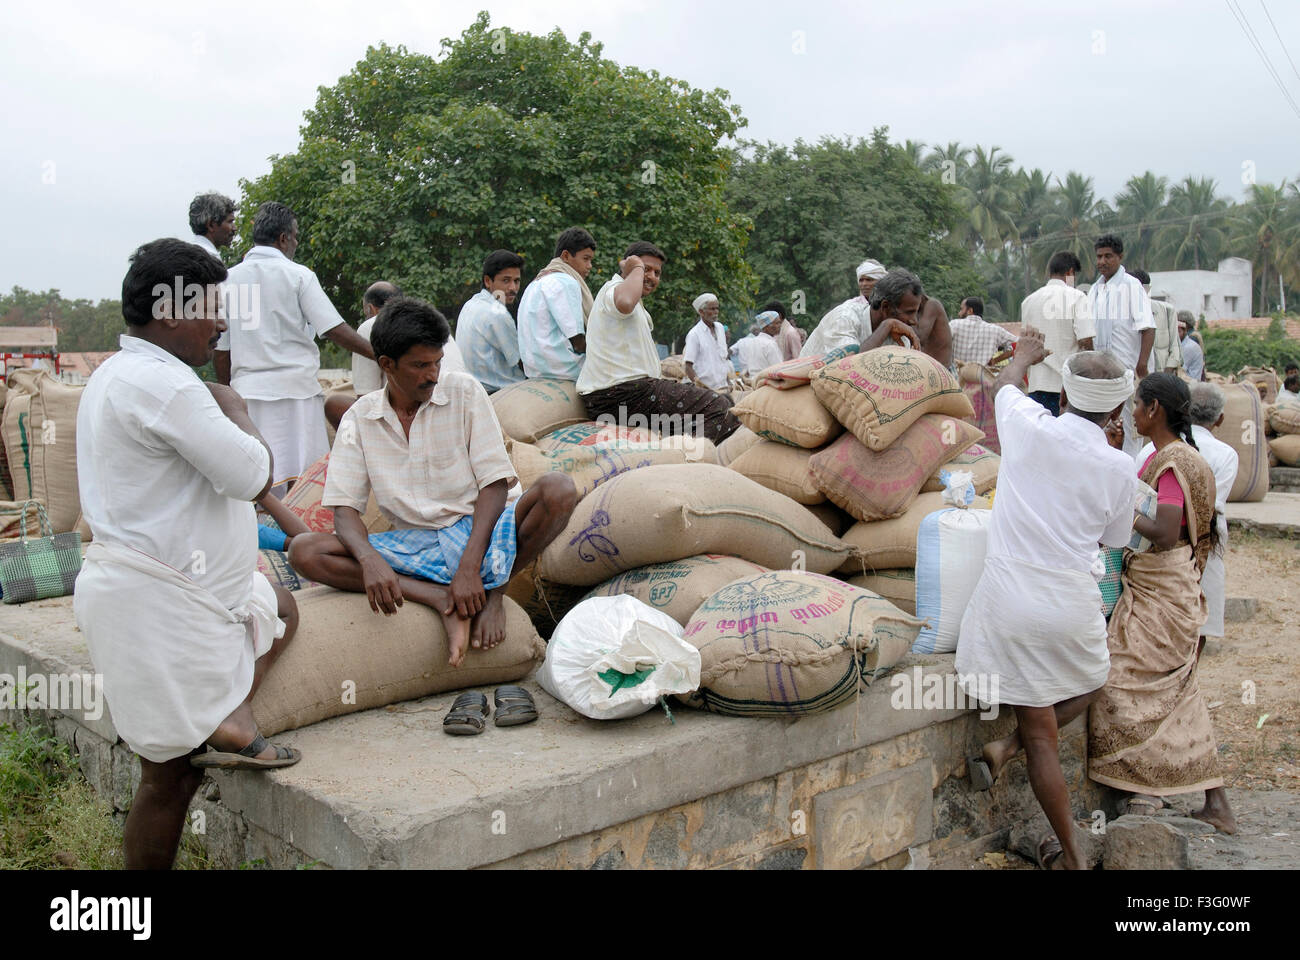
{"x": 84, "y": 363}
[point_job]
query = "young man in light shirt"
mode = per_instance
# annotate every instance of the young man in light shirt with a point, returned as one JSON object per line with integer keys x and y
{"x": 553, "y": 310}
{"x": 707, "y": 360}
{"x": 1061, "y": 314}
{"x": 212, "y": 221}
{"x": 1122, "y": 315}
{"x": 1193, "y": 355}
{"x": 180, "y": 625}
{"x": 275, "y": 310}
{"x": 974, "y": 339}
{"x": 485, "y": 331}
{"x": 620, "y": 378}
{"x": 429, "y": 447}
{"x": 847, "y": 323}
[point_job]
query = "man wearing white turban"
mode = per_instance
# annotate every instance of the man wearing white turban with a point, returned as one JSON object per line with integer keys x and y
{"x": 707, "y": 360}
{"x": 849, "y": 322}
{"x": 1033, "y": 632}
{"x": 761, "y": 351}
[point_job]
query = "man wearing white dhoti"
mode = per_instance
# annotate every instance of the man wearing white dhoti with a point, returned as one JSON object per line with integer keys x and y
{"x": 180, "y": 625}
{"x": 1207, "y": 413}
{"x": 1033, "y": 631}
{"x": 708, "y": 364}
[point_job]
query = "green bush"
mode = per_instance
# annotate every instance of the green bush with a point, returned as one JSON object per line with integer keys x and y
{"x": 1227, "y": 351}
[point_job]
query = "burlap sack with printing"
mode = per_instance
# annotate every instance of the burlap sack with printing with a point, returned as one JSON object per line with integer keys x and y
{"x": 1243, "y": 430}
{"x": 304, "y": 499}
{"x": 794, "y": 417}
{"x": 891, "y": 544}
{"x": 781, "y": 468}
{"x": 592, "y": 433}
{"x": 40, "y": 438}
{"x": 879, "y": 394}
{"x": 977, "y": 460}
{"x": 533, "y": 408}
{"x": 788, "y": 644}
{"x": 679, "y": 586}
{"x": 877, "y": 484}
{"x": 1265, "y": 377}
{"x": 341, "y": 641}
{"x": 587, "y": 467}
{"x": 663, "y": 513}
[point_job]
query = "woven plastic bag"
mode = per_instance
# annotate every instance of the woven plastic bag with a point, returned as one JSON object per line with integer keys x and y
{"x": 614, "y": 657}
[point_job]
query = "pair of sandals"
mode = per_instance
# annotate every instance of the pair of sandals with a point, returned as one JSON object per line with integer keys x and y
{"x": 469, "y": 712}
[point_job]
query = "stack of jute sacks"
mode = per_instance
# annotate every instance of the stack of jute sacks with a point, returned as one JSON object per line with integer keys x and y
{"x": 40, "y": 452}
{"x": 1284, "y": 430}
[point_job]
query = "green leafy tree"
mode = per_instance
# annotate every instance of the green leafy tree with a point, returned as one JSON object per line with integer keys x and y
{"x": 1141, "y": 204}
{"x": 83, "y": 325}
{"x": 987, "y": 191}
{"x": 413, "y": 169}
{"x": 1071, "y": 223}
{"x": 1196, "y": 238}
{"x": 819, "y": 209}
{"x": 1259, "y": 230}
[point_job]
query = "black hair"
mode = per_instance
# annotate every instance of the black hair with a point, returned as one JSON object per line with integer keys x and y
{"x": 894, "y": 286}
{"x": 1175, "y": 399}
{"x": 499, "y": 260}
{"x": 644, "y": 248}
{"x": 1109, "y": 240}
{"x": 1063, "y": 262}
{"x": 976, "y": 305}
{"x": 1141, "y": 275}
{"x": 405, "y": 322}
{"x": 166, "y": 263}
{"x": 271, "y": 220}
{"x": 209, "y": 207}
{"x": 380, "y": 292}
{"x": 1292, "y": 383}
{"x": 776, "y": 305}
{"x": 1291, "y": 366}
{"x": 574, "y": 241}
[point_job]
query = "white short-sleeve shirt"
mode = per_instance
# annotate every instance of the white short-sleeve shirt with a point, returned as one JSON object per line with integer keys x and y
{"x": 706, "y": 351}
{"x": 367, "y": 376}
{"x": 550, "y": 315}
{"x": 1063, "y": 316}
{"x": 488, "y": 341}
{"x": 1121, "y": 310}
{"x": 846, "y": 325}
{"x": 620, "y": 346}
{"x": 163, "y": 471}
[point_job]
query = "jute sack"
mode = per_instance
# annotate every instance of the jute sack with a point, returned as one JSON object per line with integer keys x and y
{"x": 741, "y": 440}
{"x": 1243, "y": 430}
{"x": 672, "y": 368}
{"x": 896, "y": 586}
{"x": 1284, "y": 418}
{"x": 890, "y": 544}
{"x": 305, "y": 496}
{"x": 40, "y": 428}
{"x": 663, "y": 513}
{"x": 832, "y": 517}
{"x": 587, "y": 467}
{"x": 1286, "y": 449}
{"x": 533, "y": 408}
{"x": 977, "y": 383}
{"x": 11, "y": 520}
{"x": 388, "y": 659}
{"x": 874, "y": 485}
{"x": 791, "y": 644}
{"x": 545, "y": 602}
{"x": 977, "y": 460}
{"x": 1261, "y": 376}
{"x": 590, "y": 433}
{"x": 679, "y": 586}
{"x": 798, "y": 372}
{"x": 793, "y": 417}
{"x": 780, "y": 468}
{"x": 879, "y": 394}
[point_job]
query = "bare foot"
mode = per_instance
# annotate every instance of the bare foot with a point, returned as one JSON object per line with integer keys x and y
{"x": 457, "y": 637}
{"x": 1217, "y": 812}
{"x": 996, "y": 753}
{"x": 488, "y": 628}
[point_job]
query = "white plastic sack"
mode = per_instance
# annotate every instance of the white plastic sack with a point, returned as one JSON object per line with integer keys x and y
{"x": 613, "y": 657}
{"x": 950, "y": 549}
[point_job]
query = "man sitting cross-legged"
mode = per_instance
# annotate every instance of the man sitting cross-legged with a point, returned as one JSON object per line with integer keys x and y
{"x": 430, "y": 448}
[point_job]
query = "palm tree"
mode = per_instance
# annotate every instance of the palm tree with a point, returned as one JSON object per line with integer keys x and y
{"x": 1072, "y": 221}
{"x": 1196, "y": 236}
{"x": 1289, "y": 262}
{"x": 937, "y": 160}
{"x": 915, "y": 150}
{"x": 1258, "y": 231}
{"x": 1033, "y": 189}
{"x": 1140, "y": 204}
{"x": 989, "y": 195}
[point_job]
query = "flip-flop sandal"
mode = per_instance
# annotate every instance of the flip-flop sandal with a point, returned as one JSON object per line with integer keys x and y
{"x": 1049, "y": 852}
{"x": 1140, "y": 805}
{"x": 981, "y": 778}
{"x": 514, "y": 706}
{"x": 467, "y": 716}
{"x": 247, "y": 758}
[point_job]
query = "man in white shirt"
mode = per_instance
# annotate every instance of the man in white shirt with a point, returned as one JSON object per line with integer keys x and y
{"x": 366, "y": 375}
{"x": 1193, "y": 355}
{"x": 429, "y": 447}
{"x": 554, "y": 308}
{"x": 974, "y": 339}
{"x": 275, "y": 309}
{"x": 1033, "y": 631}
{"x": 1290, "y": 392}
{"x": 1061, "y": 313}
{"x": 212, "y": 221}
{"x": 1165, "y": 353}
{"x": 620, "y": 381}
{"x": 180, "y": 625}
{"x": 1122, "y": 314}
{"x": 485, "y": 331}
{"x": 897, "y": 295}
{"x": 787, "y": 338}
{"x": 707, "y": 361}
{"x": 762, "y": 351}
{"x": 846, "y": 323}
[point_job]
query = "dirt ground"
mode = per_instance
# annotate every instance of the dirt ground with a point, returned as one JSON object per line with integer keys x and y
{"x": 1251, "y": 682}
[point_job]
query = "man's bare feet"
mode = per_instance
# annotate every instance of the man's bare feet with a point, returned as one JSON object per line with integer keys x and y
{"x": 996, "y": 753}
{"x": 1217, "y": 812}
{"x": 457, "y": 630}
{"x": 488, "y": 628}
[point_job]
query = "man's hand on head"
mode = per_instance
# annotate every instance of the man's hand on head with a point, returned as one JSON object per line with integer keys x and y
{"x": 630, "y": 264}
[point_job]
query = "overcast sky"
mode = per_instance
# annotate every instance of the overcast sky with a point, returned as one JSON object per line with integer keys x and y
{"x": 132, "y": 108}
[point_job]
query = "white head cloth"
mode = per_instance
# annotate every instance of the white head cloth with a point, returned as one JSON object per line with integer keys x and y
{"x": 702, "y": 300}
{"x": 872, "y": 269}
{"x": 1095, "y": 396}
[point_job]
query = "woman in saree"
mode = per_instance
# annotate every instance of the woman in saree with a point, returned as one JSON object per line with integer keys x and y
{"x": 1149, "y": 728}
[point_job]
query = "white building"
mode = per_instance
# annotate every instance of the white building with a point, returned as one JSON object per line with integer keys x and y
{"x": 1219, "y": 294}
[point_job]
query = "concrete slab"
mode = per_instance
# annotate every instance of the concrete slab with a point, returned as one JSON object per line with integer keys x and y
{"x": 1284, "y": 480}
{"x": 1277, "y": 515}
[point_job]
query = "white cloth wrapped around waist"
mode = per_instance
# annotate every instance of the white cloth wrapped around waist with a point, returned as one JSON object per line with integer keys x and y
{"x": 175, "y": 661}
{"x": 1035, "y": 636}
